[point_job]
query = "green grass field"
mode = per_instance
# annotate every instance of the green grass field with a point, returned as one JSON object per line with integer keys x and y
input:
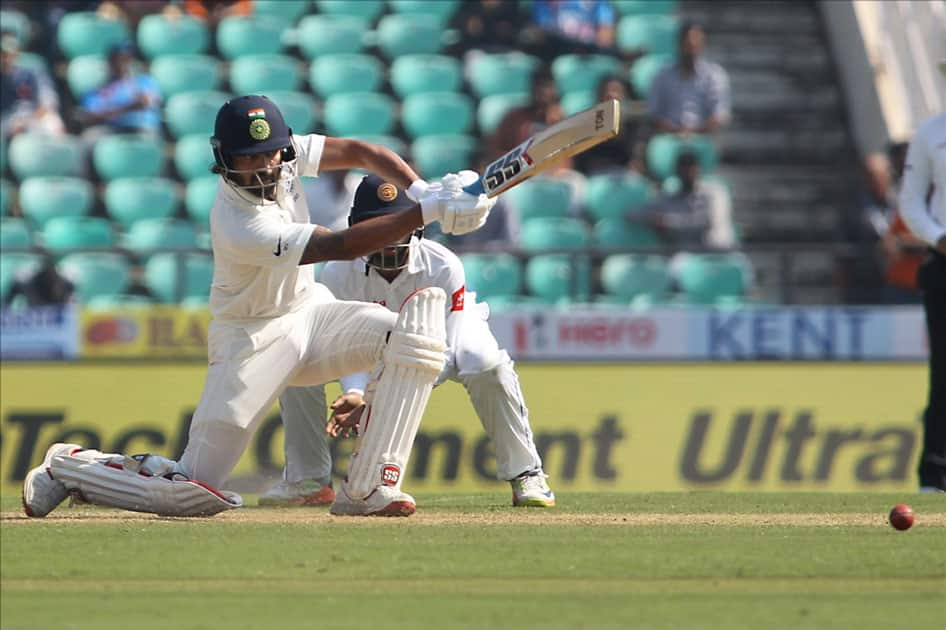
{"x": 703, "y": 560}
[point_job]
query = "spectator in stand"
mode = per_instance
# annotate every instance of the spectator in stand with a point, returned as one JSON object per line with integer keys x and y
{"x": 45, "y": 287}
{"x": 617, "y": 154}
{"x": 699, "y": 214}
{"x": 129, "y": 103}
{"x": 212, "y": 11}
{"x": 691, "y": 94}
{"x": 575, "y": 26}
{"x": 489, "y": 25}
{"x": 543, "y": 109}
{"x": 903, "y": 252}
{"x": 28, "y": 101}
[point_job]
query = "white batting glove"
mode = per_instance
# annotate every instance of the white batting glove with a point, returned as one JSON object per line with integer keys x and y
{"x": 458, "y": 212}
{"x": 417, "y": 189}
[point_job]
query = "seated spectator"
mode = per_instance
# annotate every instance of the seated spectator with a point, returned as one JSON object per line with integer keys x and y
{"x": 488, "y": 25}
{"x": 543, "y": 109}
{"x": 129, "y": 102}
{"x": 44, "y": 287}
{"x": 575, "y": 25}
{"x": 699, "y": 214}
{"x": 28, "y": 100}
{"x": 617, "y": 154}
{"x": 691, "y": 94}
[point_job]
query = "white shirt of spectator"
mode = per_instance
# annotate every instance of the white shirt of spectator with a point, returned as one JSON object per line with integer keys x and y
{"x": 430, "y": 264}
{"x": 926, "y": 164}
{"x": 688, "y": 101}
{"x": 257, "y": 247}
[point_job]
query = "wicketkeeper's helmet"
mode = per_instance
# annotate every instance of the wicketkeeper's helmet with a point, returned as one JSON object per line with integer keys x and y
{"x": 374, "y": 198}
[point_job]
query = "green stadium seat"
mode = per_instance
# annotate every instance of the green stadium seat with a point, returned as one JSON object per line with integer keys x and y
{"x": 287, "y": 10}
{"x": 575, "y": 102}
{"x": 558, "y": 277}
{"x": 133, "y": 199}
{"x": 298, "y": 108}
{"x": 85, "y": 74}
{"x": 6, "y": 197}
{"x": 239, "y": 35}
{"x": 96, "y": 274}
{"x": 545, "y": 233}
{"x": 15, "y": 265}
{"x": 645, "y": 7}
{"x": 163, "y": 272}
{"x": 502, "y": 73}
{"x": 492, "y": 109}
{"x": 492, "y": 275}
{"x": 438, "y": 155}
{"x": 409, "y": 35}
{"x": 574, "y": 73}
{"x": 644, "y": 70}
{"x": 627, "y": 276}
{"x": 422, "y": 74}
{"x": 87, "y": 33}
{"x": 128, "y": 155}
{"x": 331, "y": 34}
{"x": 199, "y": 198}
{"x": 32, "y": 61}
{"x": 443, "y": 10}
{"x": 663, "y": 150}
{"x": 620, "y": 234}
{"x": 14, "y": 233}
{"x": 259, "y": 74}
{"x": 17, "y": 23}
{"x": 707, "y": 278}
{"x": 358, "y": 113}
{"x": 160, "y": 35}
{"x": 655, "y": 34}
{"x": 34, "y": 155}
{"x": 118, "y": 302}
{"x": 391, "y": 142}
{"x": 177, "y": 74}
{"x": 193, "y": 156}
{"x": 65, "y": 233}
{"x": 345, "y": 73}
{"x": 367, "y": 10}
{"x": 437, "y": 113}
{"x": 193, "y": 112}
{"x": 150, "y": 234}
{"x": 612, "y": 196}
{"x": 540, "y": 197}
{"x": 44, "y": 198}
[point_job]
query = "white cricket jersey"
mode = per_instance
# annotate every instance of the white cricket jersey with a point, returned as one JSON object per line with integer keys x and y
{"x": 430, "y": 265}
{"x": 257, "y": 246}
{"x": 926, "y": 164}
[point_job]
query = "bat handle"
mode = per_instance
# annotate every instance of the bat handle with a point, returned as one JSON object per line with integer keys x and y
{"x": 476, "y": 188}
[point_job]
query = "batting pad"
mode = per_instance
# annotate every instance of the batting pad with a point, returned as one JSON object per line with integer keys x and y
{"x": 124, "y": 482}
{"x": 412, "y": 361}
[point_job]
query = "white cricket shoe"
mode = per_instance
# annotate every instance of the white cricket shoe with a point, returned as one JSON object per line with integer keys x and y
{"x": 42, "y": 493}
{"x": 384, "y": 501}
{"x": 307, "y": 492}
{"x": 531, "y": 490}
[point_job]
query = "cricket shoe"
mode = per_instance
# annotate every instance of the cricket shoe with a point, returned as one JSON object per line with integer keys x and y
{"x": 41, "y": 492}
{"x": 531, "y": 490}
{"x": 384, "y": 501}
{"x": 305, "y": 493}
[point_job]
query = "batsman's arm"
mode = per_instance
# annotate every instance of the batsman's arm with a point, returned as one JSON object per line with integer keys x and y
{"x": 346, "y": 153}
{"x": 362, "y": 238}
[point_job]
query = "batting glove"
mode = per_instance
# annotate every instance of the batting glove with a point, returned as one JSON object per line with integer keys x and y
{"x": 458, "y": 212}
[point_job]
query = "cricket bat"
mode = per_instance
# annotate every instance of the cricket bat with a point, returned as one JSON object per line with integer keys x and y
{"x": 564, "y": 139}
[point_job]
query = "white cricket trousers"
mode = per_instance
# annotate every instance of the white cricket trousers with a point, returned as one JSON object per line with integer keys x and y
{"x": 251, "y": 364}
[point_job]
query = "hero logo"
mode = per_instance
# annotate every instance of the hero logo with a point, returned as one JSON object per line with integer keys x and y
{"x": 390, "y": 474}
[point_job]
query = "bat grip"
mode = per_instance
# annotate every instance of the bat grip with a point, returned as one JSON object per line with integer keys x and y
{"x": 476, "y": 188}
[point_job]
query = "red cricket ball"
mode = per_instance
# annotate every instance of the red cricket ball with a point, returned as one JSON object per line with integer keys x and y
{"x": 901, "y": 517}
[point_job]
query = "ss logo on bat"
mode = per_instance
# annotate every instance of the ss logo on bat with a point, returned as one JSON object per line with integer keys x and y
{"x": 505, "y": 167}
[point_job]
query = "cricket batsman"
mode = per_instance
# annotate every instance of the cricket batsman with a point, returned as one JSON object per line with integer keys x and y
{"x": 474, "y": 359}
{"x": 274, "y": 326}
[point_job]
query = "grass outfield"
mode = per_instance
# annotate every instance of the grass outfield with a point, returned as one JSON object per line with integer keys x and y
{"x": 702, "y": 560}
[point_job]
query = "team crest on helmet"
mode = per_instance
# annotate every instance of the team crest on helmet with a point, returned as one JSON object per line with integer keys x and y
{"x": 387, "y": 192}
{"x": 259, "y": 129}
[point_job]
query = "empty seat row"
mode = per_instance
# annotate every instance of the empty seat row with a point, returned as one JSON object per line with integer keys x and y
{"x": 64, "y": 233}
